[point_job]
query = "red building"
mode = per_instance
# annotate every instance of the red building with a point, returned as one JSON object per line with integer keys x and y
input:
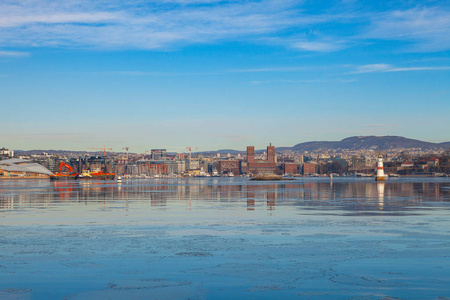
{"x": 261, "y": 166}
{"x": 229, "y": 166}
{"x": 159, "y": 168}
{"x": 290, "y": 168}
{"x": 153, "y": 168}
{"x": 309, "y": 168}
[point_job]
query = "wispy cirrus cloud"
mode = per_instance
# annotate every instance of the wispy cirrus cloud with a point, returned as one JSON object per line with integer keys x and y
{"x": 140, "y": 24}
{"x": 281, "y": 69}
{"x": 426, "y": 28}
{"x": 273, "y": 69}
{"x": 319, "y": 46}
{"x": 14, "y": 53}
{"x": 376, "y": 68}
{"x": 258, "y": 82}
{"x": 165, "y": 24}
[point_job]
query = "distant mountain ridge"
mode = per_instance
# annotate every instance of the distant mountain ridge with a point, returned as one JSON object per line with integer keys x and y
{"x": 353, "y": 143}
{"x": 368, "y": 142}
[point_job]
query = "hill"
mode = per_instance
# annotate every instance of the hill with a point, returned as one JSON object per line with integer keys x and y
{"x": 354, "y": 143}
{"x": 368, "y": 142}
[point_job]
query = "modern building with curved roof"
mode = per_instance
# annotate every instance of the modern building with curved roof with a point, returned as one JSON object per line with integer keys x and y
{"x": 21, "y": 167}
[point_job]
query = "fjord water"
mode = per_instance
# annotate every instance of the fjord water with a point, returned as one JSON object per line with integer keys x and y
{"x": 224, "y": 238}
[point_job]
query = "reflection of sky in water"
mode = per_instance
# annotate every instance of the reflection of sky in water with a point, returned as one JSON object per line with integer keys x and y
{"x": 223, "y": 238}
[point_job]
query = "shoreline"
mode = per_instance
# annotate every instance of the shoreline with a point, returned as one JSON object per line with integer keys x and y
{"x": 261, "y": 178}
{"x": 25, "y": 178}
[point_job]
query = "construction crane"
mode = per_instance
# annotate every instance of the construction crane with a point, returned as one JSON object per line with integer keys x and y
{"x": 190, "y": 152}
{"x": 126, "y": 149}
{"x": 104, "y": 149}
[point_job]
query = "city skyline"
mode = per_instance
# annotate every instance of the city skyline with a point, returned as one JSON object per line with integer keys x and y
{"x": 355, "y": 144}
{"x": 216, "y": 74}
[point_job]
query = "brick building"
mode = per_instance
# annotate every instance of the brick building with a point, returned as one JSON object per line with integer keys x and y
{"x": 229, "y": 166}
{"x": 158, "y": 168}
{"x": 267, "y": 166}
{"x": 309, "y": 168}
{"x": 290, "y": 168}
{"x": 149, "y": 167}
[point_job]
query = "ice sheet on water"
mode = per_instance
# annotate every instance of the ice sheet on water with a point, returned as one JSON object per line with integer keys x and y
{"x": 225, "y": 238}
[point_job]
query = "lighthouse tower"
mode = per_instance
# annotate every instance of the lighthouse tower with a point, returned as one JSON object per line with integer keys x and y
{"x": 380, "y": 171}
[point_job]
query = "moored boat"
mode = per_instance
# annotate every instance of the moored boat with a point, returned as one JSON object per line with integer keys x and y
{"x": 95, "y": 175}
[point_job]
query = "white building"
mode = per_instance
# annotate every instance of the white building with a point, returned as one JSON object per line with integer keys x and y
{"x": 6, "y": 153}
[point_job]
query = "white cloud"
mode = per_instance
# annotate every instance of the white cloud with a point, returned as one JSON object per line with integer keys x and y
{"x": 318, "y": 46}
{"x": 163, "y": 24}
{"x": 260, "y": 82}
{"x": 157, "y": 24}
{"x": 14, "y": 53}
{"x": 428, "y": 29}
{"x": 264, "y": 70}
{"x": 372, "y": 68}
{"x": 140, "y": 24}
{"x": 55, "y": 18}
{"x": 218, "y": 72}
{"x": 376, "y": 68}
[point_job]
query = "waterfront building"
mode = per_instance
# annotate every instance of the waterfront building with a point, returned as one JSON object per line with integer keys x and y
{"x": 151, "y": 168}
{"x": 193, "y": 165}
{"x": 258, "y": 166}
{"x": 309, "y": 168}
{"x": 22, "y": 168}
{"x": 175, "y": 166}
{"x": 290, "y": 168}
{"x": 159, "y": 154}
{"x": 101, "y": 163}
{"x": 6, "y": 153}
{"x": 407, "y": 164}
{"x": 229, "y": 166}
{"x": 51, "y": 162}
{"x": 434, "y": 162}
{"x": 358, "y": 163}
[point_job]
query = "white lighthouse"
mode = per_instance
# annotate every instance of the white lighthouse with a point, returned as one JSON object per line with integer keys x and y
{"x": 380, "y": 171}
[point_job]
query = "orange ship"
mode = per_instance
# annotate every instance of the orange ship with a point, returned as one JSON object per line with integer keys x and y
{"x": 64, "y": 176}
{"x": 85, "y": 175}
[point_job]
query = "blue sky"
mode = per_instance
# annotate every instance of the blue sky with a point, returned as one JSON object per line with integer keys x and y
{"x": 221, "y": 74}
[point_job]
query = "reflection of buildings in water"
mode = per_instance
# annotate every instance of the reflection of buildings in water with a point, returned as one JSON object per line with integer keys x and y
{"x": 350, "y": 195}
{"x": 267, "y": 192}
{"x": 271, "y": 197}
{"x": 250, "y": 199}
{"x": 357, "y": 195}
{"x": 430, "y": 189}
{"x": 380, "y": 191}
{"x": 250, "y": 204}
{"x": 6, "y": 202}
